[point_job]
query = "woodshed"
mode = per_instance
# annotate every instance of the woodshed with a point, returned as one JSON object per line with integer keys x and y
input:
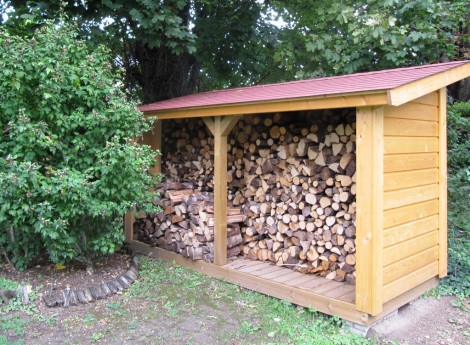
{"x": 329, "y": 193}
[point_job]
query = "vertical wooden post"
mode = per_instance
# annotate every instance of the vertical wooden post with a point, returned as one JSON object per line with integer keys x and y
{"x": 154, "y": 140}
{"x": 129, "y": 220}
{"x": 220, "y": 127}
{"x": 442, "y": 182}
{"x": 369, "y": 209}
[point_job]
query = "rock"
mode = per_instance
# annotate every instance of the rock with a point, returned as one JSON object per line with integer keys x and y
{"x": 50, "y": 300}
{"x": 134, "y": 270}
{"x": 60, "y": 300}
{"x": 132, "y": 275}
{"x": 124, "y": 282}
{"x": 112, "y": 287}
{"x": 24, "y": 292}
{"x": 88, "y": 296}
{"x": 66, "y": 296}
{"x": 97, "y": 293}
{"x": 81, "y": 297}
{"x": 73, "y": 297}
{"x": 117, "y": 284}
{"x": 128, "y": 278}
{"x": 106, "y": 290}
{"x": 135, "y": 262}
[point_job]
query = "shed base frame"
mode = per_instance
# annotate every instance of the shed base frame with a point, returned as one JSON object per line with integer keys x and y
{"x": 281, "y": 290}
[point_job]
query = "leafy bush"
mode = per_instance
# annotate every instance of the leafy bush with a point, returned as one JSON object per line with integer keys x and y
{"x": 69, "y": 168}
{"x": 458, "y": 281}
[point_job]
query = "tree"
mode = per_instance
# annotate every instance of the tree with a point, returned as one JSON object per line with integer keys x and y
{"x": 170, "y": 48}
{"x": 330, "y": 38}
{"x": 69, "y": 168}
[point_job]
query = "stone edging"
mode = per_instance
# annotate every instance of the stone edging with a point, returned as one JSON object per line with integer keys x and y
{"x": 90, "y": 294}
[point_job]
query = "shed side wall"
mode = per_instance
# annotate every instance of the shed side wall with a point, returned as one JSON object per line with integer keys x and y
{"x": 411, "y": 195}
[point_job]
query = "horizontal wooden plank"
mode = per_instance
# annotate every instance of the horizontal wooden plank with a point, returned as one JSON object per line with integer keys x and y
{"x": 407, "y": 265}
{"x": 253, "y": 266}
{"x": 275, "y": 274}
{"x": 292, "y": 294}
{"x": 412, "y": 178}
{"x": 238, "y": 263}
{"x": 349, "y": 297}
{"x": 301, "y": 280}
{"x": 408, "y": 196}
{"x": 406, "y": 162}
{"x": 413, "y": 111}
{"x": 409, "y": 230}
{"x": 410, "y": 213}
{"x": 411, "y": 128}
{"x": 263, "y": 270}
{"x": 397, "y": 145}
{"x": 341, "y": 290}
{"x": 415, "y": 278}
{"x": 312, "y": 284}
{"x": 408, "y": 248}
{"x": 290, "y": 276}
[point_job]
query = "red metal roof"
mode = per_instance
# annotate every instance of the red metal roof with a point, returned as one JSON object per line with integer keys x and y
{"x": 351, "y": 83}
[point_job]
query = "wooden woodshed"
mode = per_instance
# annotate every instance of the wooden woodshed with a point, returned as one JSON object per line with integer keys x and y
{"x": 400, "y": 183}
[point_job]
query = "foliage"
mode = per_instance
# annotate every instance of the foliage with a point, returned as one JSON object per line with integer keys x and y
{"x": 329, "y": 38}
{"x": 175, "y": 47}
{"x": 150, "y": 40}
{"x": 458, "y": 281}
{"x": 69, "y": 169}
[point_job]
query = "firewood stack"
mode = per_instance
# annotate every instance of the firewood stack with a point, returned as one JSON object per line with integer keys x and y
{"x": 294, "y": 177}
{"x": 185, "y": 224}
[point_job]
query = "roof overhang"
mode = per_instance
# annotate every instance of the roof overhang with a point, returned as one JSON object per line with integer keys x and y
{"x": 375, "y": 98}
{"x": 408, "y": 92}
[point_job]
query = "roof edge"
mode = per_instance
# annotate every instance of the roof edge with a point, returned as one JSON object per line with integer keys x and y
{"x": 418, "y": 88}
{"x": 358, "y": 99}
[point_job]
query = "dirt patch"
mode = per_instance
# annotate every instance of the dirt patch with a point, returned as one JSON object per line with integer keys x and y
{"x": 46, "y": 277}
{"x": 427, "y": 321}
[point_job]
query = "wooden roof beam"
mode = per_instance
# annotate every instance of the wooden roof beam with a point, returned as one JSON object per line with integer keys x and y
{"x": 326, "y": 102}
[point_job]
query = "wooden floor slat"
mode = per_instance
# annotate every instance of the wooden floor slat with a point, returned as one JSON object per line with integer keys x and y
{"x": 282, "y": 271}
{"x": 284, "y": 275}
{"x": 265, "y": 269}
{"x": 350, "y": 297}
{"x": 295, "y": 282}
{"x": 237, "y": 263}
{"x": 339, "y": 291}
{"x": 329, "y": 285}
{"x": 252, "y": 267}
{"x": 287, "y": 277}
{"x": 314, "y": 282}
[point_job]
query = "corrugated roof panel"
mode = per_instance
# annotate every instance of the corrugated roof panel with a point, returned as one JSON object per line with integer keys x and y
{"x": 351, "y": 83}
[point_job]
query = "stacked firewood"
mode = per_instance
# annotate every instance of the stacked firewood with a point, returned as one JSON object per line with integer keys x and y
{"x": 185, "y": 224}
{"x": 293, "y": 176}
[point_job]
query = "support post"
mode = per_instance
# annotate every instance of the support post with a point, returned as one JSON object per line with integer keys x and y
{"x": 220, "y": 127}
{"x": 442, "y": 182}
{"x": 369, "y": 209}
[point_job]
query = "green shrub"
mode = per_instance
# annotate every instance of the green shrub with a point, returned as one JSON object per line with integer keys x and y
{"x": 69, "y": 168}
{"x": 458, "y": 281}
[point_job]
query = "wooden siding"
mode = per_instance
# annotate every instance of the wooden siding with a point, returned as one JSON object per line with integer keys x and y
{"x": 412, "y": 189}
